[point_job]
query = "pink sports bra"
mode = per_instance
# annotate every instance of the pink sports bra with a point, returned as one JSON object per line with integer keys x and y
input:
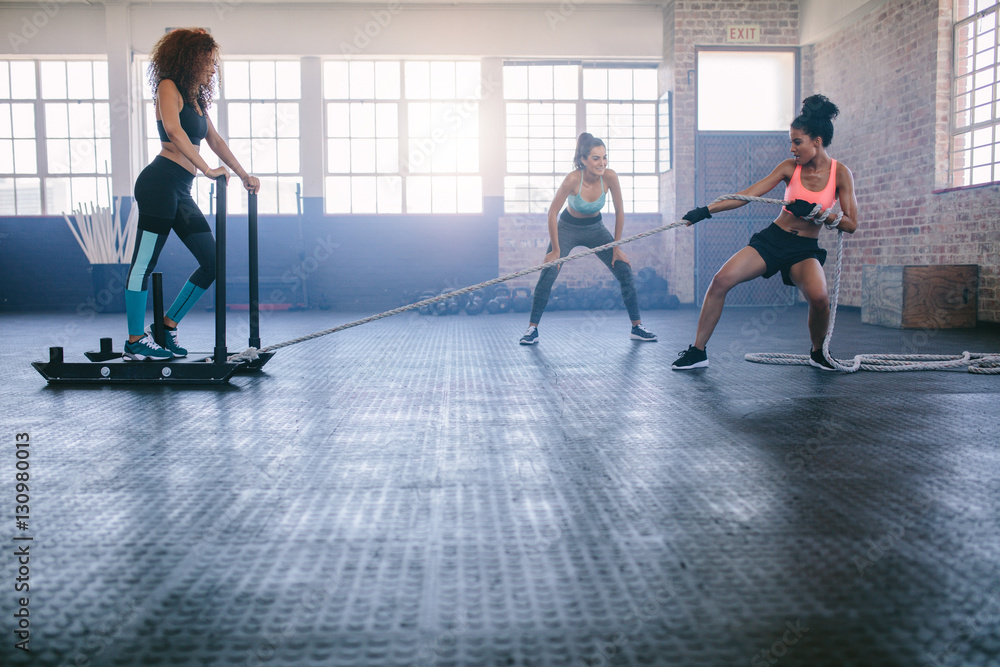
{"x": 825, "y": 197}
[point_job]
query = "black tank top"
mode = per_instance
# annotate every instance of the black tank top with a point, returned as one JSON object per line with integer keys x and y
{"x": 196, "y": 126}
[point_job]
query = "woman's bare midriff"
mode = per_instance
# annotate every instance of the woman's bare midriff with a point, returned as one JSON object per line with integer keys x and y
{"x": 797, "y": 226}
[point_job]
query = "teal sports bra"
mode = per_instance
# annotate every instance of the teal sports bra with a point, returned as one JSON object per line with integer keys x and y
{"x": 578, "y": 203}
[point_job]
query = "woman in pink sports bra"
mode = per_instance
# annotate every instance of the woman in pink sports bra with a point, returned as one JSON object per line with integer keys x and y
{"x": 789, "y": 245}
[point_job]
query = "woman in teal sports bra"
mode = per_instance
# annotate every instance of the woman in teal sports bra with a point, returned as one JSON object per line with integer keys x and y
{"x": 789, "y": 245}
{"x": 585, "y": 191}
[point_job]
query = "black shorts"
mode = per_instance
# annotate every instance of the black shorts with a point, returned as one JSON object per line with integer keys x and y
{"x": 781, "y": 250}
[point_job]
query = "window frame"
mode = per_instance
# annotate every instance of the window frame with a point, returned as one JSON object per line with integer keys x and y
{"x": 404, "y": 175}
{"x": 580, "y": 103}
{"x": 970, "y": 129}
{"x": 40, "y": 103}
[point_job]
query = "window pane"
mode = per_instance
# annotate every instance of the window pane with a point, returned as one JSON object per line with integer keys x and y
{"x": 287, "y": 120}
{"x": 443, "y": 80}
{"x": 363, "y": 199}
{"x": 53, "y": 80}
{"x": 389, "y": 192}
{"x": 81, "y": 120}
{"x": 239, "y": 119}
{"x": 467, "y": 80}
{"x": 58, "y": 156}
{"x": 262, "y": 82}
{"x": 335, "y": 80}
{"x": 362, "y": 80}
{"x": 620, "y": 84}
{"x": 338, "y": 194}
{"x": 288, "y": 80}
{"x": 418, "y": 194}
{"x": 565, "y": 79}
{"x": 22, "y": 117}
{"x": 595, "y": 84}
{"x": 7, "y": 157}
{"x": 515, "y": 82}
{"x": 417, "y": 77}
{"x": 25, "y": 160}
{"x": 540, "y": 85}
{"x": 387, "y": 80}
{"x": 22, "y": 80}
{"x": 80, "y": 80}
{"x": 338, "y": 120}
{"x": 236, "y": 79}
{"x": 101, "y": 80}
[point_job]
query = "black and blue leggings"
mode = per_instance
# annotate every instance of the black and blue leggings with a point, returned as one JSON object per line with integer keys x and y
{"x": 163, "y": 195}
{"x": 589, "y": 232}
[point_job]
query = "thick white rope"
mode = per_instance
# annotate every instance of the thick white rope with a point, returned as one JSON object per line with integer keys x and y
{"x": 251, "y": 353}
{"x": 981, "y": 363}
{"x": 987, "y": 361}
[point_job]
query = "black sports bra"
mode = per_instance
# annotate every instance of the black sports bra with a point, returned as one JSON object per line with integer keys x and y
{"x": 194, "y": 124}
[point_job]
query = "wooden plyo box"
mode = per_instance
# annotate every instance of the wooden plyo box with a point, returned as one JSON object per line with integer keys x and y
{"x": 920, "y": 297}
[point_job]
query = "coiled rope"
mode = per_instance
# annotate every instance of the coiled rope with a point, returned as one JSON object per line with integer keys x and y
{"x": 994, "y": 360}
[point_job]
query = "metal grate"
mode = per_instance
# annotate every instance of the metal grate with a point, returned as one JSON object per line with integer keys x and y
{"x": 726, "y": 163}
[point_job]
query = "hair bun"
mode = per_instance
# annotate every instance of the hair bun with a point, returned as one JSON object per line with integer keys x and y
{"x": 819, "y": 106}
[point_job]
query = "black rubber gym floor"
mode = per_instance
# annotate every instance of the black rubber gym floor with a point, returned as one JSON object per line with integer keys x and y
{"x": 424, "y": 491}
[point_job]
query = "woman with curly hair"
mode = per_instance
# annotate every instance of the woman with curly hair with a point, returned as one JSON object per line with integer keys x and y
{"x": 182, "y": 71}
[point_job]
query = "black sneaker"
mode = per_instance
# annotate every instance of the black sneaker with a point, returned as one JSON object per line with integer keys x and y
{"x": 691, "y": 358}
{"x": 817, "y": 359}
{"x": 530, "y": 336}
{"x": 640, "y": 332}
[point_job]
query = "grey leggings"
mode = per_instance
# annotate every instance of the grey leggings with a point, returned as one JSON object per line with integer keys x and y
{"x": 591, "y": 234}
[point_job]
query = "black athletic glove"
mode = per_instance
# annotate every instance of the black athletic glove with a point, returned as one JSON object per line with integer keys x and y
{"x": 801, "y": 208}
{"x": 696, "y": 215}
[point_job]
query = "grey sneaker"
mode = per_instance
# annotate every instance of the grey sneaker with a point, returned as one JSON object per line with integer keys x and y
{"x": 640, "y": 332}
{"x": 530, "y": 336}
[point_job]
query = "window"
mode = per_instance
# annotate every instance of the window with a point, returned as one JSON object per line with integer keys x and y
{"x": 258, "y": 115}
{"x": 362, "y": 130}
{"x": 621, "y": 109}
{"x": 975, "y": 141}
{"x": 402, "y": 137}
{"x": 260, "y": 104}
{"x": 549, "y": 105}
{"x": 443, "y": 137}
{"x": 66, "y": 163}
{"x": 20, "y": 185}
{"x": 541, "y": 105}
{"x": 762, "y": 81}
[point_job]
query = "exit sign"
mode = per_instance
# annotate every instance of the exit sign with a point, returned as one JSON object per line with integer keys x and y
{"x": 743, "y": 34}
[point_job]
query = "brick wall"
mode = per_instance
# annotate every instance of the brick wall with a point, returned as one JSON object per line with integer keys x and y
{"x": 524, "y": 238}
{"x": 890, "y": 75}
{"x": 703, "y": 24}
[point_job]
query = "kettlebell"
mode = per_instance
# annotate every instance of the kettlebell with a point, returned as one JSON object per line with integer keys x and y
{"x": 520, "y": 300}
{"x": 475, "y": 304}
